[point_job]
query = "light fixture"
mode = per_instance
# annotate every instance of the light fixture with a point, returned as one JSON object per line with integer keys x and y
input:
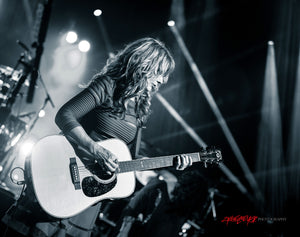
{"x": 84, "y": 46}
{"x": 171, "y": 23}
{"x": 97, "y": 12}
{"x": 71, "y": 37}
{"x": 26, "y": 147}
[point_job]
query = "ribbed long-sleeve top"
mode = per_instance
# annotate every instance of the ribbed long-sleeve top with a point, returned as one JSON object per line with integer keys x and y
{"x": 87, "y": 109}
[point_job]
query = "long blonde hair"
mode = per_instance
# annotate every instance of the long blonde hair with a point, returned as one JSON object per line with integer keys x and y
{"x": 130, "y": 68}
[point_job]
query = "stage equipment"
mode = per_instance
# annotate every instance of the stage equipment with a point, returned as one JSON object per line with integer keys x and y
{"x": 12, "y": 128}
{"x": 8, "y": 81}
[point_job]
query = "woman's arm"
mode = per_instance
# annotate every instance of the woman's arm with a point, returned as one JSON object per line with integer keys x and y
{"x": 91, "y": 148}
{"x": 67, "y": 119}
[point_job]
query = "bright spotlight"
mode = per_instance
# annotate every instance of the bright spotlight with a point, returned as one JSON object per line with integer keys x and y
{"x": 84, "y": 46}
{"x": 97, "y": 12}
{"x": 26, "y": 147}
{"x": 71, "y": 37}
{"x": 171, "y": 23}
{"x": 42, "y": 113}
{"x": 270, "y": 42}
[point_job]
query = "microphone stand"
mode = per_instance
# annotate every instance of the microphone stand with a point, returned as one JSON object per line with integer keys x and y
{"x": 42, "y": 24}
{"x": 31, "y": 66}
{"x": 210, "y": 203}
{"x": 47, "y": 99}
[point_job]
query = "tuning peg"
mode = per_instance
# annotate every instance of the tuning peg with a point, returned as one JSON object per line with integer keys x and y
{"x": 210, "y": 149}
{"x": 218, "y": 155}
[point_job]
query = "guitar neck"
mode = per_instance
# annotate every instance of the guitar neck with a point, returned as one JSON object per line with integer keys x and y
{"x": 152, "y": 163}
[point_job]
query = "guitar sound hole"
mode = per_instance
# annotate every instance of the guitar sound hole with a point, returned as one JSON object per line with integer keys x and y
{"x": 91, "y": 187}
{"x": 101, "y": 172}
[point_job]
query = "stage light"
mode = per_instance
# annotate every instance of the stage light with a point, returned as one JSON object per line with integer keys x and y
{"x": 1, "y": 168}
{"x": 68, "y": 62}
{"x": 97, "y": 12}
{"x": 71, "y": 37}
{"x": 26, "y": 147}
{"x": 270, "y": 42}
{"x": 42, "y": 113}
{"x": 84, "y": 46}
{"x": 171, "y": 23}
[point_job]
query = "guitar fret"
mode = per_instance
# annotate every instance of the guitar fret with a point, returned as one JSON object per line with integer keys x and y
{"x": 151, "y": 163}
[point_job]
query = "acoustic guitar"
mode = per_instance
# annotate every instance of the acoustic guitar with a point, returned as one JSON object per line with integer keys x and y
{"x": 65, "y": 184}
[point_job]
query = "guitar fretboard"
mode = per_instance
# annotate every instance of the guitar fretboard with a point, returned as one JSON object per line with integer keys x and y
{"x": 152, "y": 163}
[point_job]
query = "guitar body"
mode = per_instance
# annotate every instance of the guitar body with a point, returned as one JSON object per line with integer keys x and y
{"x": 64, "y": 186}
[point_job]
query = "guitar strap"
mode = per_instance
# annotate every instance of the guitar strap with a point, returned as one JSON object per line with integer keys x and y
{"x": 136, "y": 142}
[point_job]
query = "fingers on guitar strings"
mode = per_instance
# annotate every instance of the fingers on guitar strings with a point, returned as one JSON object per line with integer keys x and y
{"x": 183, "y": 161}
{"x": 179, "y": 165}
{"x": 190, "y": 160}
{"x": 111, "y": 162}
{"x": 108, "y": 159}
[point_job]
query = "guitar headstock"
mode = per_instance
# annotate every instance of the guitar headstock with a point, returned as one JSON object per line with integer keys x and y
{"x": 210, "y": 155}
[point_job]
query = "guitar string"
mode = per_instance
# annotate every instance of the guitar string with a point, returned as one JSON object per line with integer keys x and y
{"x": 84, "y": 169}
{"x": 138, "y": 160}
{"x": 151, "y": 163}
{"x": 129, "y": 166}
{"x": 133, "y": 163}
{"x": 158, "y": 159}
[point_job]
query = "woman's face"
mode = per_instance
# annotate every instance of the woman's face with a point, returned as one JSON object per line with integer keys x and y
{"x": 155, "y": 82}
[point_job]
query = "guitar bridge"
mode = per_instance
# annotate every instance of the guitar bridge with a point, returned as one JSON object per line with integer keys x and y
{"x": 74, "y": 173}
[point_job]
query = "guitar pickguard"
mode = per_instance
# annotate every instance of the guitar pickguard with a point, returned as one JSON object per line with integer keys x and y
{"x": 92, "y": 188}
